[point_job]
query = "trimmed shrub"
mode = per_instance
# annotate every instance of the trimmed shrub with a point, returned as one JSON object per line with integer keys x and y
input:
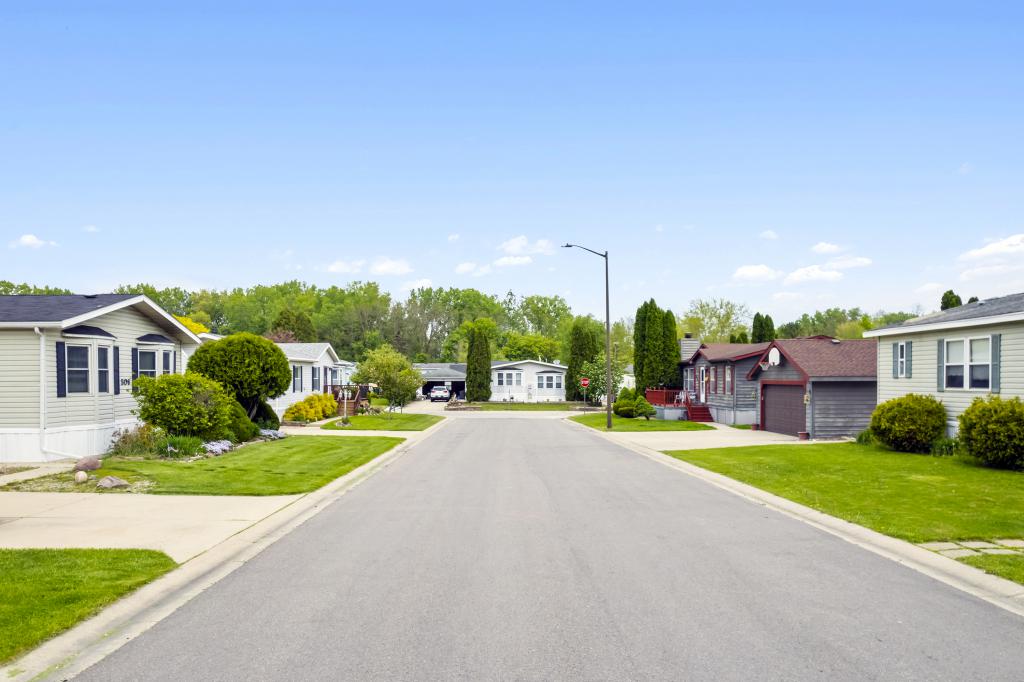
{"x": 642, "y": 408}
{"x": 241, "y": 427}
{"x": 625, "y": 408}
{"x": 312, "y": 408}
{"x": 175, "y": 447}
{"x": 266, "y": 418}
{"x": 626, "y": 394}
{"x": 184, "y": 405}
{"x": 992, "y": 429}
{"x": 249, "y": 366}
{"x": 910, "y": 423}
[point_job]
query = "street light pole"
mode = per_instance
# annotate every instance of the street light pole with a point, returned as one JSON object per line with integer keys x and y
{"x": 607, "y": 334}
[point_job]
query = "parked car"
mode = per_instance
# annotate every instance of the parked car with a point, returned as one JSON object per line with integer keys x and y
{"x": 440, "y": 393}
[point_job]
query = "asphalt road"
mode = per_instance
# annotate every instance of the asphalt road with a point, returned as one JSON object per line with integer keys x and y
{"x": 512, "y": 549}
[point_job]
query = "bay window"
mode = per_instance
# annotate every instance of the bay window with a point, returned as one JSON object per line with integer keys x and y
{"x": 147, "y": 363}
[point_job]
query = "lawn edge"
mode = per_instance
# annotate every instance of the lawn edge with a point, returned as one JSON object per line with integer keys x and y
{"x": 1000, "y": 592}
{"x": 95, "y": 638}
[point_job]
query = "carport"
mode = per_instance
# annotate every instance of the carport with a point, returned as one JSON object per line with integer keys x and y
{"x": 451, "y": 375}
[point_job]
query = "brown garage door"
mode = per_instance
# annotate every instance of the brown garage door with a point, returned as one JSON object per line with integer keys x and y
{"x": 784, "y": 409}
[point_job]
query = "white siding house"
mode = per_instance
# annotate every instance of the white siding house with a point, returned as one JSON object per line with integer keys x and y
{"x": 314, "y": 366}
{"x": 66, "y": 367}
{"x": 957, "y": 355}
{"x": 527, "y": 381}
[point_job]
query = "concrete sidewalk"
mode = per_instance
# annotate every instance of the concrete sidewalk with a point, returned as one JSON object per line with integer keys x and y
{"x": 182, "y": 526}
{"x": 722, "y": 437}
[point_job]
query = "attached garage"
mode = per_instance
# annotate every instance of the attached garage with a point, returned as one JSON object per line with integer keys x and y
{"x": 817, "y": 387}
{"x": 784, "y": 410}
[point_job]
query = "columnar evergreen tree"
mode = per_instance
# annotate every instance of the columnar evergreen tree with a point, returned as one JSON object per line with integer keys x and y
{"x": 584, "y": 346}
{"x": 478, "y": 365}
{"x": 640, "y": 343}
{"x": 767, "y": 328}
{"x": 669, "y": 350}
{"x": 757, "y": 329}
{"x": 654, "y": 347}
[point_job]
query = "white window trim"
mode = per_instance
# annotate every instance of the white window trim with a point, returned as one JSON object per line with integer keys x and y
{"x": 156, "y": 361}
{"x": 109, "y": 370}
{"x": 88, "y": 369}
{"x": 967, "y": 364}
{"x": 901, "y": 360}
{"x": 728, "y": 380}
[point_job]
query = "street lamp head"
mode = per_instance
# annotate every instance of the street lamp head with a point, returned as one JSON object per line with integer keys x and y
{"x": 566, "y": 246}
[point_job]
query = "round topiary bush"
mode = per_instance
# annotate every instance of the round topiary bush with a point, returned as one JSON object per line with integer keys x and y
{"x": 910, "y": 423}
{"x": 184, "y": 405}
{"x": 992, "y": 429}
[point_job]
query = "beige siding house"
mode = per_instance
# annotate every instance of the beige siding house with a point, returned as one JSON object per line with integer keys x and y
{"x": 66, "y": 367}
{"x": 956, "y": 355}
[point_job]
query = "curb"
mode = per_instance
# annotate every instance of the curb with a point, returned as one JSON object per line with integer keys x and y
{"x": 85, "y": 644}
{"x": 1000, "y": 592}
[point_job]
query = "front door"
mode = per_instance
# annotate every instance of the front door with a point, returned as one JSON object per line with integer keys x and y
{"x": 701, "y": 386}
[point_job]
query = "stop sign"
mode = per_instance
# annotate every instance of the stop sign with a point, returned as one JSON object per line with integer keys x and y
{"x": 584, "y": 382}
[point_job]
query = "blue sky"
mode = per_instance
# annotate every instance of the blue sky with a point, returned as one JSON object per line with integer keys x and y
{"x": 789, "y": 156}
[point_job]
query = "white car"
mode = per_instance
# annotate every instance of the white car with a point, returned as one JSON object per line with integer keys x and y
{"x": 440, "y": 393}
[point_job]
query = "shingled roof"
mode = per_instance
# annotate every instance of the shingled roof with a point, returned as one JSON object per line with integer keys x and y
{"x": 716, "y": 352}
{"x": 44, "y": 308}
{"x": 824, "y": 357}
{"x": 1012, "y": 304}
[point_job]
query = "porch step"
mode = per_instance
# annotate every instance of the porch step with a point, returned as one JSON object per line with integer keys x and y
{"x": 700, "y": 413}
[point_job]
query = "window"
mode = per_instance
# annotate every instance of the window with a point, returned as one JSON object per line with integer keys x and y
{"x": 167, "y": 362}
{"x": 77, "y": 369}
{"x": 728, "y": 379}
{"x": 296, "y": 379}
{"x": 714, "y": 376}
{"x": 316, "y": 378}
{"x": 901, "y": 360}
{"x": 501, "y": 378}
{"x": 558, "y": 381}
{"x": 519, "y": 378}
{"x": 103, "y": 369}
{"x": 147, "y": 363}
{"x": 334, "y": 377}
{"x": 969, "y": 363}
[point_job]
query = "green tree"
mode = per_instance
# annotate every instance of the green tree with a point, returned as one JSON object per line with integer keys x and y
{"x": 298, "y": 323}
{"x": 714, "y": 320}
{"x": 669, "y": 358}
{"x": 393, "y": 374}
{"x": 174, "y": 300}
{"x": 950, "y": 300}
{"x": 640, "y": 343}
{"x": 972, "y": 299}
{"x": 767, "y": 328}
{"x": 478, "y": 365}
{"x": 530, "y": 347}
{"x": 249, "y": 366}
{"x": 757, "y": 329}
{"x": 597, "y": 371}
{"x": 584, "y": 346}
{"x": 184, "y": 405}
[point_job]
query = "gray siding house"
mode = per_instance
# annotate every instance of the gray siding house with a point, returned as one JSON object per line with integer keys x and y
{"x": 818, "y": 387}
{"x": 66, "y": 367}
{"x": 956, "y": 355}
{"x": 715, "y": 377}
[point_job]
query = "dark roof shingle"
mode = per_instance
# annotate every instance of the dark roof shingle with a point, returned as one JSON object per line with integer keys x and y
{"x": 990, "y": 307}
{"x": 827, "y": 358}
{"x": 30, "y": 308}
{"x": 715, "y": 352}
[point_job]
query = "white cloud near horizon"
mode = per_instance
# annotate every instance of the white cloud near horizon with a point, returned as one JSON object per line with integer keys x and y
{"x": 770, "y": 235}
{"x": 928, "y": 288}
{"x": 390, "y": 266}
{"x": 507, "y": 261}
{"x": 348, "y": 267}
{"x": 826, "y": 248}
{"x": 812, "y": 273}
{"x": 847, "y": 262}
{"x": 756, "y": 273}
{"x": 421, "y": 283}
{"x": 30, "y": 241}
{"x": 521, "y": 246}
{"x": 1012, "y": 245}
{"x": 465, "y": 268}
{"x": 998, "y": 257}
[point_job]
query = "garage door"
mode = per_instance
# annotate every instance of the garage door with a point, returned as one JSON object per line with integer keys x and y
{"x": 784, "y": 409}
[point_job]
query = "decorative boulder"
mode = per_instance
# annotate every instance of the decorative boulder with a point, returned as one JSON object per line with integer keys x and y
{"x": 108, "y": 482}
{"x": 88, "y": 464}
{"x": 81, "y": 477}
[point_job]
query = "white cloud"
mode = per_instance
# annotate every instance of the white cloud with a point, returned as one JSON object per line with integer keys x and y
{"x": 928, "y": 288}
{"x": 482, "y": 270}
{"x": 770, "y": 235}
{"x": 826, "y": 247}
{"x": 506, "y": 261}
{"x": 1012, "y": 245}
{"x": 521, "y": 246}
{"x": 786, "y": 296}
{"x": 465, "y": 268}
{"x": 348, "y": 267}
{"x": 91, "y": 229}
{"x": 813, "y": 273}
{"x": 990, "y": 270}
{"x": 453, "y": 237}
{"x": 756, "y": 273}
{"x": 847, "y": 262}
{"x": 391, "y": 266}
{"x": 422, "y": 283}
{"x": 966, "y": 168}
{"x": 30, "y": 241}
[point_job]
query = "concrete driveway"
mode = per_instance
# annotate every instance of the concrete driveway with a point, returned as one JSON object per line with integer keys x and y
{"x": 721, "y": 437}
{"x": 513, "y": 549}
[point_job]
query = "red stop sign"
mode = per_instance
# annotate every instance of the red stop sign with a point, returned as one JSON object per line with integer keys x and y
{"x": 584, "y": 382}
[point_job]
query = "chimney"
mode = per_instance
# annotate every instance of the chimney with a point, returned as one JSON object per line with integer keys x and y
{"x": 687, "y": 335}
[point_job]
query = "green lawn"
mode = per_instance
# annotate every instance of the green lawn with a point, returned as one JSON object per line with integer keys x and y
{"x": 919, "y": 498}
{"x": 744, "y": 427}
{"x": 599, "y": 419}
{"x": 1006, "y": 566}
{"x": 528, "y": 407}
{"x": 46, "y": 591}
{"x": 296, "y": 464}
{"x": 394, "y": 421}
{"x": 377, "y": 401}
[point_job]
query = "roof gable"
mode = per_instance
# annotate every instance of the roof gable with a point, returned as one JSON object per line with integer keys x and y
{"x": 827, "y": 357}
{"x": 718, "y": 352}
{"x": 308, "y": 352}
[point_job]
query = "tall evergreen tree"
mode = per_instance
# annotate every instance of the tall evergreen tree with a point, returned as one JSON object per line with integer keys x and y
{"x": 767, "y": 328}
{"x": 757, "y": 329}
{"x": 640, "y": 342}
{"x": 584, "y": 346}
{"x": 654, "y": 348}
{"x": 670, "y": 350}
{"x": 478, "y": 366}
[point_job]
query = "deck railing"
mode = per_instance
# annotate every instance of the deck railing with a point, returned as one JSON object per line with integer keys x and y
{"x": 666, "y": 396}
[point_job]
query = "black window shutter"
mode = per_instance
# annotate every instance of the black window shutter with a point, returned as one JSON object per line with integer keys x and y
{"x": 174, "y": 362}
{"x": 996, "y": 349}
{"x": 895, "y": 361}
{"x": 117, "y": 370}
{"x": 909, "y": 361}
{"x": 940, "y": 376}
{"x": 62, "y": 377}
{"x": 135, "y": 364}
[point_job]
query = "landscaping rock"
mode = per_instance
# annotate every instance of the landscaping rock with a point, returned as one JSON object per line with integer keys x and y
{"x": 81, "y": 477}
{"x": 88, "y": 464}
{"x": 108, "y": 482}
